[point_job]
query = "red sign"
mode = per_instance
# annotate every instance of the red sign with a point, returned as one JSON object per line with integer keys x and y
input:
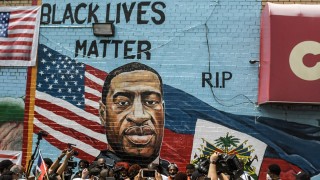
{"x": 290, "y": 54}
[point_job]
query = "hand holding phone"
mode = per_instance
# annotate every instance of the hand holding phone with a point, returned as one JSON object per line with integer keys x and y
{"x": 148, "y": 173}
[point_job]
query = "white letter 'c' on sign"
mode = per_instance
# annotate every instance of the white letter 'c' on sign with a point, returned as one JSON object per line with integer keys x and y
{"x": 296, "y": 60}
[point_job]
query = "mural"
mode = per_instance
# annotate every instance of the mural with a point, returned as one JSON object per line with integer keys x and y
{"x": 149, "y": 95}
{"x": 132, "y": 111}
{"x": 133, "y": 117}
{"x": 11, "y": 123}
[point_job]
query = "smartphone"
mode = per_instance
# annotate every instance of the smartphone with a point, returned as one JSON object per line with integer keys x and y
{"x": 148, "y": 173}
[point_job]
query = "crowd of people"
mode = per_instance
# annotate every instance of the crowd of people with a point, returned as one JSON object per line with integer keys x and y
{"x": 61, "y": 168}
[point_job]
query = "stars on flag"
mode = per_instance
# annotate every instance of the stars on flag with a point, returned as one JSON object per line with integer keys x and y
{"x": 61, "y": 77}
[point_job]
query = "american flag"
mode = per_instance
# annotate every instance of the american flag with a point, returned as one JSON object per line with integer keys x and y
{"x": 19, "y": 32}
{"x": 67, "y": 103}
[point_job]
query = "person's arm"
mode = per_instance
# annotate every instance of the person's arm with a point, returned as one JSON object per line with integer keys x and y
{"x": 55, "y": 164}
{"x": 212, "y": 173}
{"x": 138, "y": 176}
{"x": 65, "y": 162}
{"x": 223, "y": 177}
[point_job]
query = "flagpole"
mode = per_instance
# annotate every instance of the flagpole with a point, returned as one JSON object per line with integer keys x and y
{"x": 31, "y": 161}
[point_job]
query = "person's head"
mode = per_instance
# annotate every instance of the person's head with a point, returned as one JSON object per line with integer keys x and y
{"x": 172, "y": 169}
{"x": 301, "y": 175}
{"x": 132, "y": 111}
{"x": 5, "y": 166}
{"x": 83, "y": 164}
{"x": 48, "y": 162}
{"x": 190, "y": 169}
{"x": 18, "y": 171}
{"x": 103, "y": 174}
{"x": 123, "y": 168}
{"x": 274, "y": 171}
{"x": 134, "y": 170}
{"x": 181, "y": 176}
{"x": 101, "y": 163}
{"x": 95, "y": 171}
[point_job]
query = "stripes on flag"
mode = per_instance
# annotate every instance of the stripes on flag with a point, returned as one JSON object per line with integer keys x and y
{"x": 67, "y": 103}
{"x": 19, "y": 32}
{"x": 14, "y": 156}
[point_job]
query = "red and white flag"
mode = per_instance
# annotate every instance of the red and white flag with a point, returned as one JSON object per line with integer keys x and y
{"x": 19, "y": 33}
{"x": 14, "y": 156}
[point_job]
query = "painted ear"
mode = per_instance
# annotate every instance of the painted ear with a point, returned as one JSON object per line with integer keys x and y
{"x": 102, "y": 114}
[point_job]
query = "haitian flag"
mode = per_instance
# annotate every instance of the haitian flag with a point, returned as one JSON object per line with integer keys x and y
{"x": 41, "y": 169}
{"x": 67, "y": 105}
{"x": 297, "y": 144}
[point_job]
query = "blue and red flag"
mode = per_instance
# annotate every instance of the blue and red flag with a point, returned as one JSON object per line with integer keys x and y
{"x": 41, "y": 169}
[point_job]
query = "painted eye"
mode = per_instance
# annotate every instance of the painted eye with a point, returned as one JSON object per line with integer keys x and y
{"x": 150, "y": 103}
{"x": 123, "y": 103}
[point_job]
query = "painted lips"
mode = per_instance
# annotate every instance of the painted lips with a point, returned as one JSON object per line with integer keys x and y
{"x": 139, "y": 135}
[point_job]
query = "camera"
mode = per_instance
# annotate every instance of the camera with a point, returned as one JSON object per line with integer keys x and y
{"x": 71, "y": 163}
{"x": 230, "y": 165}
{"x": 148, "y": 173}
{"x": 70, "y": 147}
{"x": 227, "y": 164}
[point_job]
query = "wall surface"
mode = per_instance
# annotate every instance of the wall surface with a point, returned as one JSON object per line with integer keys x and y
{"x": 201, "y": 49}
{"x": 13, "y": 82}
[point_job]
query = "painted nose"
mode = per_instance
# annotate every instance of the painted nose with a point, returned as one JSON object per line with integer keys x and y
{"x": 138, "y": 114}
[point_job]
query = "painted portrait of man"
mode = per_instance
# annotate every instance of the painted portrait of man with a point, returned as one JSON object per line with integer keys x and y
{"x": 132, "y": 111}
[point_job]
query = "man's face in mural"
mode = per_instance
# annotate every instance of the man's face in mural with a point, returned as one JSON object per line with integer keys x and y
{"x": 134, "y": 114}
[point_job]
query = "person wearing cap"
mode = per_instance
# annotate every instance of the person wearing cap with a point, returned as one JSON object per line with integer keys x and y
{"x": 301, "y": 175}
{"x": 273, "y": 173}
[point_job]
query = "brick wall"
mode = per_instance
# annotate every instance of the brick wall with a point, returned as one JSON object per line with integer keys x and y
{"x": 216, "y": 37}
{"x": 15, "y": 2}
{"x": 13, "y": 81}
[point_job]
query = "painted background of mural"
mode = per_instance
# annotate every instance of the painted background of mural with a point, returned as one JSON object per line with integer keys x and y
{"x": 193, "y": 41}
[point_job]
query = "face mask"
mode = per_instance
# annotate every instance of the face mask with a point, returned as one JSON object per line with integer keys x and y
{"x": 268, "y": 177}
